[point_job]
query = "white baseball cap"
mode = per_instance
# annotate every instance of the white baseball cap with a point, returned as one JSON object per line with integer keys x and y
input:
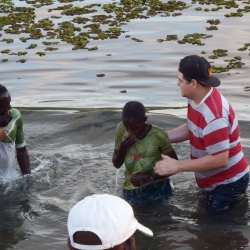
{"x": 109, "y": 217}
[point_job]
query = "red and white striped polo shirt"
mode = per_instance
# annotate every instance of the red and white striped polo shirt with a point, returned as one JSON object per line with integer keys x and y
{"x": 213, "y": 129}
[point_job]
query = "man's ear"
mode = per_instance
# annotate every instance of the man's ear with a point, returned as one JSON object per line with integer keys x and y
{"x": 69, "y": 244}
{"x": 194, "y": 83}
{"x": 145, "y": 118}
{"x": 129, "y": 244}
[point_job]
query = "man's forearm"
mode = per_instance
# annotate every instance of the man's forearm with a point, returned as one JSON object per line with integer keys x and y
{"x": 205, "y": 163}
{"x": 23, "y": 160}
{"x": 179, "y": 134}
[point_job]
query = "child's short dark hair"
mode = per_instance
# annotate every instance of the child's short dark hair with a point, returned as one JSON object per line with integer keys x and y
{"x": 133, "y": 111}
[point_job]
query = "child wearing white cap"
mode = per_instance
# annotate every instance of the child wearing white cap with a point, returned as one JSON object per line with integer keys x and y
{"x": 103, "y": 221}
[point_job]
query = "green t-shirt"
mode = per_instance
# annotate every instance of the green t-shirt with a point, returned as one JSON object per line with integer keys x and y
{"x": 142, "y": 156}
{"x": 15, "y": 130}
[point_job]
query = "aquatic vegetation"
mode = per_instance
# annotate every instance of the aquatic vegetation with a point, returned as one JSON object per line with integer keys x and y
{"x": 171, "y": 37}
{"x": 247, "y": 88}
{"x": 49, "y": 43}
{"x": 7, "y": 40}
{"x": 100, "y": 75}
{"x": 137, "y": 40}
{"x": 198, "y": 8}
{"x": 213, "y": 21}
{"x": 194, "y": 39}
{"x": 5, "y": 51}
{"x": 123, "y": 91}
{"x": 108, "y": 55}
{"x": 93, "y": 48}
{"x": 87, "y": 23}
{"x": 232, "y": 64}
{"x": 32, "y": 46}
{"x": 246, "y": 45}
{"x": 203, "y": 52}
{"x": 234, "y": 14}
{"x": 41, "y": 53}
{"x": 22, "y": 60}
{"x": 4, "y": 60}
{"x": 50, "y": 49}
{"x": 22, "y": 53}
{"x": 213, "y": 27}
{"x": 23, "y": 39}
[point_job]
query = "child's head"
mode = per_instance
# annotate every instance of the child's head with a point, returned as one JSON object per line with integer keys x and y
{"x": 133, "y": 117}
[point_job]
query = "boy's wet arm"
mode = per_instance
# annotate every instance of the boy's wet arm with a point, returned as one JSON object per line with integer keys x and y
{"x": 118, "y": 157}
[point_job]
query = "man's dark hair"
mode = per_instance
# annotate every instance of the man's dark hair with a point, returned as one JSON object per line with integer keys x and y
{"x": 189, "y": 80}
{"x": 3, "y": 90}
{"x": 133, "y": 112}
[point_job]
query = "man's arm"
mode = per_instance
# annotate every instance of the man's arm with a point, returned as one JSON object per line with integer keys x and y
{"x": 169, "y": 166}
{"x": 179, "y": 134}
{"x": 23, "y": 160}
{"x": 2, "y": 133}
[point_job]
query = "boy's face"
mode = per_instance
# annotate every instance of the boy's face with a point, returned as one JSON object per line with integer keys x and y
{"x": 5, "y": 104}
{"x": 134, "y": 128}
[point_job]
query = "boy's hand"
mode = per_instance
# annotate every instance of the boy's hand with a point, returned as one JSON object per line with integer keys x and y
{"x": 5, "y": 119}
{"x": 140, "y": 178}
{"x": 128, "y": 141}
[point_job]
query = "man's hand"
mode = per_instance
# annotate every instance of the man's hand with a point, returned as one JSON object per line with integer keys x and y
{"x": 2, "y": 133}
{"x": 167, "y": 166}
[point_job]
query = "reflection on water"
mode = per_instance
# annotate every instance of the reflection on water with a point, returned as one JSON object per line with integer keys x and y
{"x": 71, "y": 158}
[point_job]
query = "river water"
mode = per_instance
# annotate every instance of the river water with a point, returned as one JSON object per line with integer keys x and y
{"x": 71, "y": 152}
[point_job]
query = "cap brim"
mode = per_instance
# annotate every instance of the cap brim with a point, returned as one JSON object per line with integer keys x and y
{"x": 145, "y": 230}
{"x": 212, "y": 81}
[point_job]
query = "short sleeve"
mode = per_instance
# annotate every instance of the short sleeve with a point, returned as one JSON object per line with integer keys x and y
{"x": 165, "y": 143}
{"x": 20, "y": 141}
{"x": 119, "y": 134}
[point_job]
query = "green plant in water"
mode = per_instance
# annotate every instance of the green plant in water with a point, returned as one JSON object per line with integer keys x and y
{"x": 50, "y": 49}
{"x": 22, "y": 60}
{"x": 213, "y": 21}
{"x": 4, "y": 60}
{"x": 171, "y": 37}
{"x": 213, "y": 27}
{"x": 7, "y": 40}
{"x": 93, "y": 48}
{"x": 23, "y": 39}
{"x": 41, "y": 53}
{"x": 32, "y": 46}
{"x": 100, "y": 75}
{"x": 20, "y": 53}
{"x": 5, "y": 51}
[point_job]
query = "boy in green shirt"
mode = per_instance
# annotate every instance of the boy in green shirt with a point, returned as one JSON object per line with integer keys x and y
{"x": 139, "y": 145}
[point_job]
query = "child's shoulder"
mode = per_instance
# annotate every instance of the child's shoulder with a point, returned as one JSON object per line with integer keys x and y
{"x": 158, "y": 129}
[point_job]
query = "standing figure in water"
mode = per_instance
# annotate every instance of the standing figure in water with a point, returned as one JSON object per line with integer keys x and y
{"x": 12, "y": 144}
{"x": 221, "y": 169}
{"x": 139, "y": 145}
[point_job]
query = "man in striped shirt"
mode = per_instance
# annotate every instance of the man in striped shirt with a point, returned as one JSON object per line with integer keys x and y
{"x": 221, "y": 169}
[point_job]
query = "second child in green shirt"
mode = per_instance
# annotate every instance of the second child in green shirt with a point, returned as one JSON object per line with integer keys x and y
{"x": 139, "y": 145}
